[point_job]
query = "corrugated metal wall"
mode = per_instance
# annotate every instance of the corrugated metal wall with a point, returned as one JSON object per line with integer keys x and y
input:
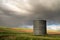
{"x": 39, "y": 27}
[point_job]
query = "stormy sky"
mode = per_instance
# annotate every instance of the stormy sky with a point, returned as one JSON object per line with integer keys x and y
{"x": 21, "y": 13}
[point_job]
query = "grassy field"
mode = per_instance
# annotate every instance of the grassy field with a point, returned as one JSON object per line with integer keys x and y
{"x": 23, "y": 34}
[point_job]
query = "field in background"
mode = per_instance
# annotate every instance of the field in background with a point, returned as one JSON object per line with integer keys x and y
{"x": 23, "y": 34}
{"x": 53, "y": 32}
{"x": 31, "y": 30}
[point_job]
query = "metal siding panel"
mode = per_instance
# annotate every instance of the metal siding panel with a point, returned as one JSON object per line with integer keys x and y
{"x": 39, "y": 27}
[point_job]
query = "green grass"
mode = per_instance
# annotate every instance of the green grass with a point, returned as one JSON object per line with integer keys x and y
{"x": 8, "y": 34}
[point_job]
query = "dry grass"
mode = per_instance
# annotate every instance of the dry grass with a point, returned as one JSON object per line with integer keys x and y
{"x": 53, "y": 32}
{"x": 22, "y": 30}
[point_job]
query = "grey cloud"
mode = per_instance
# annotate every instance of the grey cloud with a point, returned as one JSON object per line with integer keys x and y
{"x": 44, "y": 10}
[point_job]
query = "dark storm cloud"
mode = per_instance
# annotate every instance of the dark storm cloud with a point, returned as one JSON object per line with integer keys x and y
{"x": 48, "y": 10}
{"x": 28, "y": 10}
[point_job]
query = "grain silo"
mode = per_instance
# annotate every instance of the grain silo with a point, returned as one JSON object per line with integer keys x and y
{"x": 39, "y": 27}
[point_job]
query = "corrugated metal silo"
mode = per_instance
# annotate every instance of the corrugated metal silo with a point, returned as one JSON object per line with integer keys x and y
{"x": 39, "y": 27}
